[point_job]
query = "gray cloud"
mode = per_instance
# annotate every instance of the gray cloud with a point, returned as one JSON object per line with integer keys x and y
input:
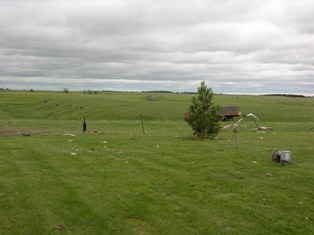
{"x": 247, "y": 46}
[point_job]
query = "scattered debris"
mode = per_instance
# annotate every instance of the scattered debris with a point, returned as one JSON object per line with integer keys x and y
{"x": 254, "y": 162}
{"x": 73, "y": 154}
{"x": 68, "y": 134}
{"x": 226, "y": 127}
{"x": 265, "y": 200}
{"x": 282, "y": 156}
{"x": 264, "y": 128}
{"x": 254, "y": 118}
{"x": 26, "y": 134}
{"x": 58, "y": 226}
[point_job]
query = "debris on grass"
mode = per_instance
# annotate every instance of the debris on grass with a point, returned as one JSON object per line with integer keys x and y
{"x": 264, "y": 128}
{"x": 265, "y": 200}
{"x": 58, "y": 227}
{"x": 73, "y": 154}
{"x": 68, "y": 134}
{"x": 26, "y": 134}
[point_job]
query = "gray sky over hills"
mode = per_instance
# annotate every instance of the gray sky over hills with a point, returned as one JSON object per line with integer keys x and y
{"x": 236, "y": 46}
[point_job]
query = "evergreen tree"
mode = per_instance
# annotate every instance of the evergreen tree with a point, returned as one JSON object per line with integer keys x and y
{"x": 203, "y": 116}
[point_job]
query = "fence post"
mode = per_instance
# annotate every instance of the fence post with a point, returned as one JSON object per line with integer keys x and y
{"x": 142, "y": 124}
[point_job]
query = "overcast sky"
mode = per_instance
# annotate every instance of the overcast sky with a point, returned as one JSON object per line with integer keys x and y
{"x": 251, "y": 46}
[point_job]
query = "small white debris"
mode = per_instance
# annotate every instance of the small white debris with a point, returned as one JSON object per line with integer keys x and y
{"x": 261, "y": 137}
{"x": 69, "y": 134}
{"x": 73, "y": 154}
{"x": 157, "y": 146}
{"x": 105, "y": 142}
{"x": 254, "y": 162}
{"x": 70, "y": 140}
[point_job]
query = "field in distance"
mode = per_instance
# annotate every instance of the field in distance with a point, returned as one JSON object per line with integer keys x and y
{"x": 115, "y": 179}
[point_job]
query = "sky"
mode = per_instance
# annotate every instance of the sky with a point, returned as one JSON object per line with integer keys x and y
{"x": 235, "y": 46}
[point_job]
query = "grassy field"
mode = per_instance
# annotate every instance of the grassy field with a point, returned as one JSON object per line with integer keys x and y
{"x": 117, "y": 180}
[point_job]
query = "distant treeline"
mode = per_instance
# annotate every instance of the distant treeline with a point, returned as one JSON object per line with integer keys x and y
{"x": 287, "y": 95}
{"x": 66, "y": 90}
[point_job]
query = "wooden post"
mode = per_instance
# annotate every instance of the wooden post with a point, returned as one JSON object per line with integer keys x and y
{"x": 142, "y": 124}
{"x": 84, "y": 125}
{"x": 235, "y": 136}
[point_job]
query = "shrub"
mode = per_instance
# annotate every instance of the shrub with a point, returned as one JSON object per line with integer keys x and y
{"x": 203, "y": 116}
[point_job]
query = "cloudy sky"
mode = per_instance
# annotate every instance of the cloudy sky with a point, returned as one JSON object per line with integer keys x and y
{"x": 236, "y": 46}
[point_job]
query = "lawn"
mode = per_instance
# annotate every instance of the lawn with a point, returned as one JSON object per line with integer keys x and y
{"x": 117, "y": 180}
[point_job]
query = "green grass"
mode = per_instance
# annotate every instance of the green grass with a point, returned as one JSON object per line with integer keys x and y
{"x": 119, "y": 181}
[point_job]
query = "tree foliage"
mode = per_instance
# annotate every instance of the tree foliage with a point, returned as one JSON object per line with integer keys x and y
{"x": 203, "y": 116}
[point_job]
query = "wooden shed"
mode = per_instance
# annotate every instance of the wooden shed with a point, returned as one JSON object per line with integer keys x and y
{"x": 229, "y": 111}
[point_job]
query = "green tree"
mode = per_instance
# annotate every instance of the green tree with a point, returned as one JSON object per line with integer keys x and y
{"x": 203, "y": 116}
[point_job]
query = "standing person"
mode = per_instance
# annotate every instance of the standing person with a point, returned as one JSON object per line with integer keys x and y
{"x": 84, "y": 125}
